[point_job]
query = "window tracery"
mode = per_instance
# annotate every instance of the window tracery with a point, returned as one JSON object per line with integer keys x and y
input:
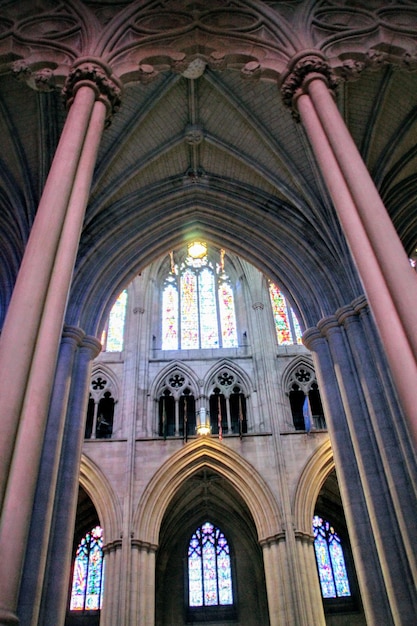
{"x": 198, "y": 308}
{"x": 209, "y": 568}
{"x": 330, "y": 559}
{"x": 306, "y": 407}
{"x": 227, "y": 402}
{"x": 88, "y": 573}
{"x": 101, "y": 407}
{"x": 286, "y": 324}
{"x": 176, "y": 406}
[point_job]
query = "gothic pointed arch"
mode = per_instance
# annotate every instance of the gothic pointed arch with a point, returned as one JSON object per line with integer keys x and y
{"x": 103, "y": 497}
{"x": 313, "y": 476}
{"x": 175, "y": 370}
{"x": 227, "y": 369}
{"x": 301, "y": 387}
{"x": 192, "y": 458}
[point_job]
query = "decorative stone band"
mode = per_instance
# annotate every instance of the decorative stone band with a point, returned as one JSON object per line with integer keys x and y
{"x": 98, "y": 76}
{"x": 303, "y": 65}
{"x": 268, "y": 541}
{"x": 143, "y": 545}
{"x": 112, "y": 546}
{"x": 303, "y": 537}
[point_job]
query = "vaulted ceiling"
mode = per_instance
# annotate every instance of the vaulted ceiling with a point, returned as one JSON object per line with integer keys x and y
{"x": 202, "y": 143}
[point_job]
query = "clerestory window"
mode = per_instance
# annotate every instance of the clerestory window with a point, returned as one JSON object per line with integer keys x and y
{"x": 112, "y": 338}
{"x": 198, "y": 309}
{"x": 286, "y": 324}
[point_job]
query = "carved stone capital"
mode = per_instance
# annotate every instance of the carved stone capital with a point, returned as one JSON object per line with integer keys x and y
{"x": 96, "y": 75}
{"x": 302, "y": 66}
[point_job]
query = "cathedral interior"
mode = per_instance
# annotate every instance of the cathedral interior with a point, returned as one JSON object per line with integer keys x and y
{"x": 208, "y": 348}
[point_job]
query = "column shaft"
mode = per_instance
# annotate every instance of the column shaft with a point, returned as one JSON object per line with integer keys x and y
{"x": 36, "y": 553}
{"x": 19, "y": 333}
{"x": 55, "y": 591}
{"x": 26, "y": 456}
{"x": 389, "y": 324}
{"x": 371, "y": 582}
{"x": 399, "y": 276}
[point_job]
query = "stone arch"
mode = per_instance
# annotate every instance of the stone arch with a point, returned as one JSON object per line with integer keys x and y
{"x": 315, "y": 472}
{"x": 190, "y": 459}
{"x": 103, "y": 497}
{"x": 225, "y": 364}
{"x": 300, "y": 361}
{"x": 112, "y": 383}
{"x": 172, "y": 368}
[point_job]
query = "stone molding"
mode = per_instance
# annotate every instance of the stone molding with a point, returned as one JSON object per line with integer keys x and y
{"x": 98, "y": 76}
{"x": 308, "y": 64}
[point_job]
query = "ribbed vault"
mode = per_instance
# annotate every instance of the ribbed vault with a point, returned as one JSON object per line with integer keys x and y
{"x": 218, "y": 155}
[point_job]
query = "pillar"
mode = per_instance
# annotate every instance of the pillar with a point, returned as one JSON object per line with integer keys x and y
{"x": 280, "y": 604}
{"x": 110, "y": 612}
{"x": 32, "y": 330}
{"x": 57, "y": 572}
{"x": 374, "y": 472}
{"x": 36, "y": 554}
{"x": 389, "y": 282}
{"x": 308, "y": 579}
{"x": 143, "y": 583}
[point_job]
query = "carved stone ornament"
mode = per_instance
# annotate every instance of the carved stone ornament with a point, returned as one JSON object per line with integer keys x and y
{"x": 96, "y": 76}
{"x": 307, "y": 64}
{"x": 40, "y": 80}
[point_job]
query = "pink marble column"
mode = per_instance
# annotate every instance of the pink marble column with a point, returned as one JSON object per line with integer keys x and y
{"x": 394, "y": 326}
{"x": 31, "y": 335}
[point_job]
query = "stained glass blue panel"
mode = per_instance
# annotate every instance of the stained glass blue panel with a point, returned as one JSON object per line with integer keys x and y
{"x": 87, "y": 581}
{"x": 331, "y": 565}
{"x": 209, "y": 568}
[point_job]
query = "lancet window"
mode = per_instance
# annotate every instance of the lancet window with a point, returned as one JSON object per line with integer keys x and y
{"x": 198, "y": 309}
{"x": 112, "y": 338}
{"x": 100, "y": 410}
{"x": 228, "y": 405}
{"x": 87, "y": 579}
{"x": 306, "y": 407}
{"x": 286, "y": 324}
{"x": 176, "y": 407}
{"x": 330, "y": 559}
{"x": 209, "y": 568}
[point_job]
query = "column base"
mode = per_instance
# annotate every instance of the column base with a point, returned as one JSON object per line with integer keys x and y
{"x": 7, "y": 618}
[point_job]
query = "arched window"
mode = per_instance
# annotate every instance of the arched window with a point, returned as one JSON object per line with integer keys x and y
{"x": 100, "y": 410}
{"x": 331, "y": 566}
{"x": 227, "y": 405}
{"x": 286, "y": 324}
{"x": 306, "y": 407}
{"x": 112, "y": 338}
{"x": 198, "y": 308}
{"x": 209, "y": 568}
{"x": 87, "y": 579}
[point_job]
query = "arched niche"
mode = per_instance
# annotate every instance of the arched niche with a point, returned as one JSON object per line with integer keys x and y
{"x": 97, "y": 487}
{"x": 209, "y": 454}
{"x": 207, "y": 496}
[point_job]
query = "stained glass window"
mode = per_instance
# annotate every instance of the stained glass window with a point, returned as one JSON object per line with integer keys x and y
{"x": 87, "y": 580}
{"x": 113, "y": 336}
{"x": 209, "y": 568}
{"x": 286, "y": 324}
{"x": 198, "y": 308}
{"x": 330, "y": 560}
